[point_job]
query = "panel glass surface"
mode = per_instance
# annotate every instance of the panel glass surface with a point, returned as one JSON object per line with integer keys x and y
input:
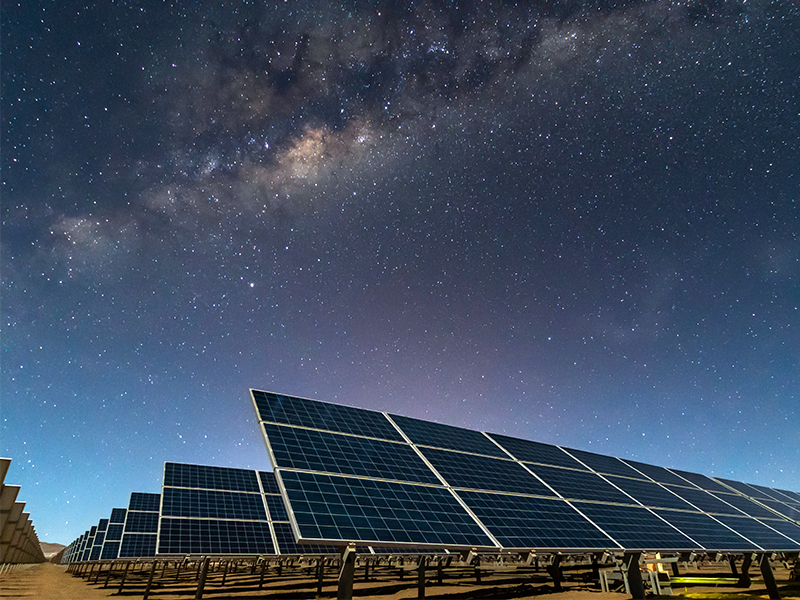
{"x": 209, "y": 478}
{"x": 649, "y": 493}
{"x": 768, "y": 493}
{"x": 704, "y": 501}
{"x": 759, "y": 533}
{"x": 580, "y": 485}
{"x": 745, "y": 505}
{"x": 603, "y": 464}
{"x": 483, "y": 473}
{"x": 349, "y": 509}
{"x": 214, "y": 504}
{"x": 794, "y": 496}
{"x": 635, "y": 528}
{"x": 790, "y": 530}
{"x": 447, "y": 436}
{"x": 199, "y": 536}
{"x": 118, "y": 515}
{"x": 268, "y": 482}
{"x": 110, "y": 550}
{"x": 534, "y": 523}
{"x": 277, "y": 510}
{"x": 659, "y": 474}
{"x": 145, "y": 502}
{"x": 114, "y": 531}
{"x": 135, "y": 545}
{"x": 744, "y": 488}
{"x": 707, "y": 532}
{"x": 701, "y": 481}
{"x": 287, "y": 545}
{"x": 536, "y": 452}
{"x": 141, "y": 522}
{"x": 288, "y": 410}
{"x": 787, "y": 510}
{"x": 312, "y": 450}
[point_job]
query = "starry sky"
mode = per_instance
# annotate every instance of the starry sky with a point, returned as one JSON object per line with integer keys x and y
{"x": 570, "y": 221}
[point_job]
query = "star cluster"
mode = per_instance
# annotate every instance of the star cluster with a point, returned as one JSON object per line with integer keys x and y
{"x": 570, "y": 222}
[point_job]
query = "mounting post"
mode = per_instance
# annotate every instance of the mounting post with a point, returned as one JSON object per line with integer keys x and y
{"x": 346, "y": 573}
{"x": 201, "y": 584}
{"x": 631, "y": 563}
{"x": 744, "y": 576}
{"x": 769, "y": 578}
{"x": 421, "y": 576}
{"x": 554, "y": 569}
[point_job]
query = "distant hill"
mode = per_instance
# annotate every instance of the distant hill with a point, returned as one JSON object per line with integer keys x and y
{"x": 50, "y": 550}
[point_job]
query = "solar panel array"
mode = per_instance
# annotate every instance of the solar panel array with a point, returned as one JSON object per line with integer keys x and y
{"x": 354, "y": 475}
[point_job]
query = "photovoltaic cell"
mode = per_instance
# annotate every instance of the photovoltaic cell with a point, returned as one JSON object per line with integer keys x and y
{"x": 790, "y": 530}
{"x": 288, "y": 410}
{"x": 634, "y": 527}
{"x": 201, "y": 536}
{"x": 209, "y": 478}
{"x": 649, "y": 493}
{"x": 744, "y": 488}
{"x": 145, "y": 502}
{"x": 138, "y": 545}
{"x": 707, "y": 532}
{"x": 789, "y": 494}
{"x": 759, "y": 533}
{"x": 447, "y": 436}
{"x": 525, "y": 522}
{"x": 659, "y": 474}
{"x": 141, "y": 522}
{"x": 704, "y": 501}
{"x": 481, "y": 472}
{"x": 269, "y": 483}
{"x": 349, "y": 509}
{"x": 703, "y": 482}
{"x": 579, "y": 485}
{"x": 287, "y": 545}
{"x": 118, "y": 515}
{"x": 767, "y": 493}
{"x": 746, "y": 506}
{"x": 213, "y": 504}
{"x": 535, "y": 452}
{"x": 277, "y": 510}
{"x": 787, "y": 510}
{"x": 307, "y": 449}
{"x": 603, "y": 464}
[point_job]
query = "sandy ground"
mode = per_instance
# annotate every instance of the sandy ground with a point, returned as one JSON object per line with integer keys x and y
{"x": 47, "y": 581}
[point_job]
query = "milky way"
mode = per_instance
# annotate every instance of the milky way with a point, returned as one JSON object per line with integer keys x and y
{"x": 570, "y": 222}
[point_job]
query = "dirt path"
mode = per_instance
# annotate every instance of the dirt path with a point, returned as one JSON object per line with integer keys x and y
{"x": 46, "y": 581}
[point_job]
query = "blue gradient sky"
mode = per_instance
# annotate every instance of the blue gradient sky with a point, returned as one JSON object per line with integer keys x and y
{"x": 576, "y": 225}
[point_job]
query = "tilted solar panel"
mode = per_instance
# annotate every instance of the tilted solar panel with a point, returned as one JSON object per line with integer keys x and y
{"x": 140, "y": 533}
{"x": 355, "y": 476}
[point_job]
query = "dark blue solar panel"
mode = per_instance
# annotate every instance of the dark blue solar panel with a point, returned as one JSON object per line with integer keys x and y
{"x": 659, "y": 474}
{"x": 214, "y": 504}
{"x": 534, "y": 523}
{"x": 635, "y": 528}
{"x": 744, "y": 488}
{"x": 447, "y": 436}
{"x": 707, "y": 532}
{"x": 145, "y": 502}
{"x": 141, "y": 522}
{"x": 603, "y": 464}
{"x": 277, "y": 509}
{"x": 102, "y": 525}
{"x": 701, "y": 481}
{"x": 767, "y": 493}
{"x": 793, "y": 496}
{"x": 759, "y": 533}
{"x": 535, "y": 452}
{"x": 785, "y": 509}
{"x": 790, "y": 530}
{"x": 483, "y": 473}
{"x": 118, "y": 515}
{"x": 704, "y": 501}
{"x": 209, "y": 478}
{"x": 110, "y": 550}
{"x": 580, "y": 485}
{"x": 287, "y": 545}
{"x": 649, "y": 493}
{"x": 211, "y": 536}
{"x": 136, "y": 545}
{"x": 312, "y": 450}
{"x": 288, "y": 410}
{"x": 349, "y": 509}
{"x": 746, "y": 506}
{"x": 114, "y": 531}
{"x": 268, "y": 482}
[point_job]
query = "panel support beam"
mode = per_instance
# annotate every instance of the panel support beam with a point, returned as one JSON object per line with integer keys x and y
{"x": 631, "y": 566}
{"x": 554, "y": 569}
{"x": 769, "y": 578}
{"x": 347, "y": 573}
{"x": 744, "y": 576}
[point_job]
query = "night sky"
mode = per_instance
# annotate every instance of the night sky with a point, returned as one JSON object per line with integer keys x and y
{"x": 570, "y": 221}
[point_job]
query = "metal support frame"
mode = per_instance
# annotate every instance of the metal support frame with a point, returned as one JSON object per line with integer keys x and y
{"x": 744, "y": 575}
{"x": 347, "y": 572}
{"x": 631, "y": 566}
{"x": 769, "y": 578}
{"x": 421, "y": 576}
{"x": 554, "y": 569}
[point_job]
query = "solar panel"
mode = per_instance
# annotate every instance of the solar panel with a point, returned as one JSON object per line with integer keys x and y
{"x": 785, "y": 509}
{"x": 343, "y": 509}
{"x": 580, "y": 485}
{"x": 113, "y": 534}
{"x": 759, "y": 533}
{"x": 183, "y": 475}
{"x": 527, "y": 522}
{"x": 97, "y": 546}
{"x": 307, "y": 449}
{"x": 214, "y": 536}
{"x": 213, "y": 504}
{"x": 446, "y": 436}
{"x": 794, "y": 496}
{"x": 635, "y": 527}
{"x": 140, "y": 532}
{"x": 746, "y": 489}
{"x": 354, "y": 476}
{"x": 603, "y": 464}
{"x": 536, "y": 452}
{"x": 287, "y": 410}
{"x": 474, "y": 471}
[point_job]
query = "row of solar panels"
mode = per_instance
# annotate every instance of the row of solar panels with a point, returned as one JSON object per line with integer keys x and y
{"x": 201, "y": 510}
{"x": 354, "y": 475}
{"x": 19, "y": 542}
